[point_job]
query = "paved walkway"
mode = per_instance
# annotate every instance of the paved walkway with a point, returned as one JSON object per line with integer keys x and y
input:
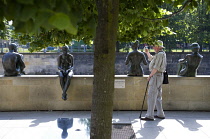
{"x": 45, "y": 125}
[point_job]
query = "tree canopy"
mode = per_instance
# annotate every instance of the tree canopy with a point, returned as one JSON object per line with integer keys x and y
{"x": 54, "y": 22}
{"x": 189, "y": 26}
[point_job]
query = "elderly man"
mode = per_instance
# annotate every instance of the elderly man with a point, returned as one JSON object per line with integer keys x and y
{"x": 12, "y": 62}
{"x": 157, "y": 66}
{"x": 65, "y": 66}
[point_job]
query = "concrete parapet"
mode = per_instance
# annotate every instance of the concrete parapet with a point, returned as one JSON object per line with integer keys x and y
{"x": 43, "y": 92}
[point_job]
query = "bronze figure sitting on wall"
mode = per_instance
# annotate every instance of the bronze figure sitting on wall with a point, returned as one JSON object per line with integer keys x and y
{"x": 188, "y": 66}
{"x": 135, "y": 58}
{"x": 65, "y": 66}
{"x": 13, "y": 62}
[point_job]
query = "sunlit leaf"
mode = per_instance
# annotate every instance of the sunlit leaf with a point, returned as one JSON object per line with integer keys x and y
{"x": 145, "y": 33}
{"x": 62, "y": 22}
{"x": 28, "y": 12}
{"x": 179, "y": 6}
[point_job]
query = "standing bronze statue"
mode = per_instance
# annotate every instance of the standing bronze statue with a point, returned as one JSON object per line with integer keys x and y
{"x": 188, "y": 66}
{"x": 65, "y": 66}
{"x": 13, "y": 62}
{"x": 135, "y": 58}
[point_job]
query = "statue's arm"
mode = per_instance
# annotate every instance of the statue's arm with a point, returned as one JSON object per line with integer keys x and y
{"x": 183, "y": 60}
{"x": 144, "y": 59}
{"x": 72, "y": 62}
{"x": 22, "y": 64}
{"x": 59, "y": 64}
{"x": 127, "y": 59}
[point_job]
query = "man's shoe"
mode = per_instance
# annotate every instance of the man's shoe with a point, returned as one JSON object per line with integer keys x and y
{"x": 147, "y": 119}
{"x": 159, "y": 117}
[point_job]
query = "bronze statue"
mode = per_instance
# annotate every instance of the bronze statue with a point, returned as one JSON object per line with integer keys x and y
{"x": 65, "y": 66}
{"x": 135, "y": 58}
{"x": 13, "y": 62}
{"x": 188, "y": 66}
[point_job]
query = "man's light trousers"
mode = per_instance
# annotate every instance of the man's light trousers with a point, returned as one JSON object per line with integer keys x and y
{"x": 154, "y": 97}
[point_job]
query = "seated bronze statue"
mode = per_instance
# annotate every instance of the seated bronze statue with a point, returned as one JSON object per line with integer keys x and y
{"x": 135, "y": 58}
{"x": 65, "y": 66}
{"x": 13, "y": 62}
{"x": 188, "y": 66}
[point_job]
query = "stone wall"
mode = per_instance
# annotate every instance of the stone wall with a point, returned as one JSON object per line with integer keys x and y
{"x": 46, "y": 63}
{"x": 43, "y": 92}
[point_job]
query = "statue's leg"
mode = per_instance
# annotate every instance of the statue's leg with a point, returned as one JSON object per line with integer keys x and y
{"x": 67, "y": 84}
{"x": 62, "y": 82}
{"x": 64, "y": 95}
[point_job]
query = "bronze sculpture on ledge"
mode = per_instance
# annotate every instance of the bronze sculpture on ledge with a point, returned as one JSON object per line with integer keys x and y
{"x": 135, "y": 58}
{"x": 188, "y": 66}
{"x": 65, "y": 66}
{"x": 13, "y": 62}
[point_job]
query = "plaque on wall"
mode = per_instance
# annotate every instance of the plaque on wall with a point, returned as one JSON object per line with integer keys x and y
{"x": 119, "y": 83}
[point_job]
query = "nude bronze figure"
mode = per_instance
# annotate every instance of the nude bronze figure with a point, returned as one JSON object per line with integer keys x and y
{"x": 135, "y": 58}
{"x": 188, "y": 66}
{"x": 13, "y": 62}
{"x": 65, "y": 66}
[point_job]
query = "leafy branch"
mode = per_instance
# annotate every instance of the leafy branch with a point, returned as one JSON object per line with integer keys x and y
{"x": 173, "y": 14}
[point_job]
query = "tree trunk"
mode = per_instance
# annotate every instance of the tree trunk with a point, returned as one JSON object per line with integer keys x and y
{"x": 117, "y": 46}
{"x": 104, "y": 69}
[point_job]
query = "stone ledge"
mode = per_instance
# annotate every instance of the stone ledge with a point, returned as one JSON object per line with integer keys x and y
{"x": 43, "y": 92}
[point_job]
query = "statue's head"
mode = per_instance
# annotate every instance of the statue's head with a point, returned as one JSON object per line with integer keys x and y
{"x": 135, "y": 45}
{"x": 12, "y": 47}
{"x": 65, "y": 49}
{"x": 195, "y": 47}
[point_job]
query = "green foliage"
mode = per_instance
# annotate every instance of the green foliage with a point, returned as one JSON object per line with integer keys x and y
{"x": 56, "y": 22}
{"x": 141, "y": 19}
{"x": 26, "y": 1}
{"x": 190, "y": 26}
{"x": 62, "y": 22}
{"x": 7, "y": 31}
{"x": 29, "y": 15}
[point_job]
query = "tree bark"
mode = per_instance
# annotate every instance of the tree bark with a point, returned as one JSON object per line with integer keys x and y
{"x": 104, "y": 69}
